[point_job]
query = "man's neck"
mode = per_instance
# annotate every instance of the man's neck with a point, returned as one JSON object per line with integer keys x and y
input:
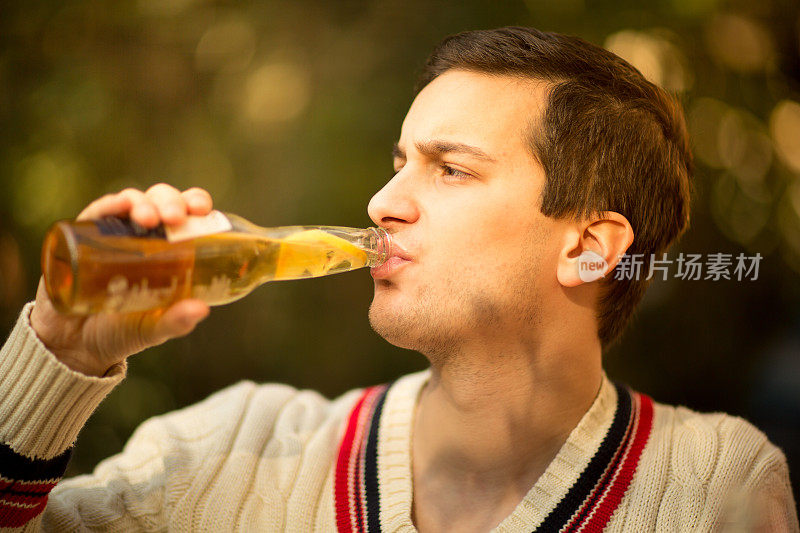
{"x": 487, "y": 427}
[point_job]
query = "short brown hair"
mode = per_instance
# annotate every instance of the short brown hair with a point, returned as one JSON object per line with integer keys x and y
{"x": 609, "y": 140}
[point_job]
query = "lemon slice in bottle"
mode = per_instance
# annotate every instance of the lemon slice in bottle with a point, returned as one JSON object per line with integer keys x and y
{"x": 315, "y": 252}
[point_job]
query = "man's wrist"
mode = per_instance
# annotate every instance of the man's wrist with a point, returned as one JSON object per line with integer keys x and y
{"x": 79, "y": 364}
{"x": 45, "y": 402}
{"x": 73, "y": 359}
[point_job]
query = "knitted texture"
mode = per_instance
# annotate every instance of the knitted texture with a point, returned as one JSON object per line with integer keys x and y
{"x": 272, "y": 458}
{"x": 44, "y": 404}
{"x": 587, "y": 507}
{"x": 25, "y": 485}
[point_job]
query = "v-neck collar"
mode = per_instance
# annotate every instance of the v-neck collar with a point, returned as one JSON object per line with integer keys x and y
{"x": 582, "y": 485}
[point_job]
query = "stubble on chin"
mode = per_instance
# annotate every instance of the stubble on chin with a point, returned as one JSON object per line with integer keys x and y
{"x": 423, "y": 323}
{"x": 438, "y": 320}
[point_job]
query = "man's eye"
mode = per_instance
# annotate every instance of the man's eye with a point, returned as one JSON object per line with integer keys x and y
{"x": 450, "y": 171}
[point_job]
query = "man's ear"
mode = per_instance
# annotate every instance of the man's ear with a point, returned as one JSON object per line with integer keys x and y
{"x": 592, "y": 248}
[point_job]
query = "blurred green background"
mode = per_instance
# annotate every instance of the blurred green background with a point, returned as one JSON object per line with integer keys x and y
{"x": 286, "y": 113}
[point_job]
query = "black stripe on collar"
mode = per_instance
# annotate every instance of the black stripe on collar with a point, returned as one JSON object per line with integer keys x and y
{"x": 371, "y": 487}
{"x": 593, "y": 472}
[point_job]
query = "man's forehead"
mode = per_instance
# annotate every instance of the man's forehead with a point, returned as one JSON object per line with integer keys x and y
{"x": 478, "y": 109}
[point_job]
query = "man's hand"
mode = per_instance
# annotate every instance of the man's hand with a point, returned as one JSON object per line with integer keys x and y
{"x": 92, "y": 344}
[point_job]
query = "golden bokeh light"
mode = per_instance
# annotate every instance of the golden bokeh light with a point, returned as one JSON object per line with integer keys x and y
{"x": 746, "y": 150}
{"x": 784, "y": 125}
{"x": 740, "y": 43}
{"x": 735, "y": 140}
{"x": 658, "y": 59}
{"x": 737, "y": 214}
{"x": 276, "y": 92}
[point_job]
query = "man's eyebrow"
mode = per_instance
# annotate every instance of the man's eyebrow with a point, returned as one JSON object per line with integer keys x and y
{"x": 438, "y": 147}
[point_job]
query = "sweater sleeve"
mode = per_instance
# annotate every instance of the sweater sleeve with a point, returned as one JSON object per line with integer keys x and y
{"x": 183, "y": 470}
{"x": 43, "y": 406}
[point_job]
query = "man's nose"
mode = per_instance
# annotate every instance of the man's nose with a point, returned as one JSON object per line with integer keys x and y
{"x": 395, "y": 203}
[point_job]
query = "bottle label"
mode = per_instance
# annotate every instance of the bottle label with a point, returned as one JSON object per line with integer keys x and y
{"x": 122, "y": 227}
{"x": 195, "y": 226}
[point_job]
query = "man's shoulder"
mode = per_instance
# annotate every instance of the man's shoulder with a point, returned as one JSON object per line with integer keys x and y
{"x": 248, "y": 406}
{"x": 703, "y": 469}
{"x": 701, "y": 447}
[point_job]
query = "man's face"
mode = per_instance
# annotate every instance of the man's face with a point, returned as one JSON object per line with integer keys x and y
{"x": 464, "y": 205}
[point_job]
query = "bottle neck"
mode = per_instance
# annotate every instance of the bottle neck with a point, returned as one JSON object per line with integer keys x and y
{"x": 380, "y": 248}
{"x": 375, "y": 241}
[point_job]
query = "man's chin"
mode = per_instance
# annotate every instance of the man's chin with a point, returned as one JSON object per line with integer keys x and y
{"x": 391, "y": 324}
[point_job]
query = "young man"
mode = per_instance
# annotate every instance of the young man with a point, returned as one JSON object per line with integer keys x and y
{"x": 522, "y": 152}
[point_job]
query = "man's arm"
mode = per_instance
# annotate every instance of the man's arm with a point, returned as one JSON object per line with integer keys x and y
{"x": 56, "y": 368}
{"x": 162, "y": 477}
{"x": 43, "y": 406}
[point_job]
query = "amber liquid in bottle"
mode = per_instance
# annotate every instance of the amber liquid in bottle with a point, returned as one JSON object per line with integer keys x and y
{"x": 111, "y": 265}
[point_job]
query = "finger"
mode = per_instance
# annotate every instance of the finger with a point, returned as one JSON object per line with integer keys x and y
{"x": 177, "y": 321}
{"x": 198, "y": 200}
{"x": 110, "y": 204}
{"x": 130, "y": 202}
{"x": 142, "y": 210}
{"x": 170, "y": 204}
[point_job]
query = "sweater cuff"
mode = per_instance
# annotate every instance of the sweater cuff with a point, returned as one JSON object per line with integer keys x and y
{"x": 44, "y": 403}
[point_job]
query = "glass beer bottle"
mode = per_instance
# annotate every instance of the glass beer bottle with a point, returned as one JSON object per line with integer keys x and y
{"x": 115, "y": 265}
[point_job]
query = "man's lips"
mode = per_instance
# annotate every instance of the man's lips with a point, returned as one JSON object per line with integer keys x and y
{"x": 397, "y": 260}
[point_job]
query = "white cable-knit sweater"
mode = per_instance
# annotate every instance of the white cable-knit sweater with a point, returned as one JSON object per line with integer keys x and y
{"x": 272, "y": 458}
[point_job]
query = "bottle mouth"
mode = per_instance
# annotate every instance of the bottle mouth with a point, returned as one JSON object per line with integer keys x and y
{"x": 381, "y": 247}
